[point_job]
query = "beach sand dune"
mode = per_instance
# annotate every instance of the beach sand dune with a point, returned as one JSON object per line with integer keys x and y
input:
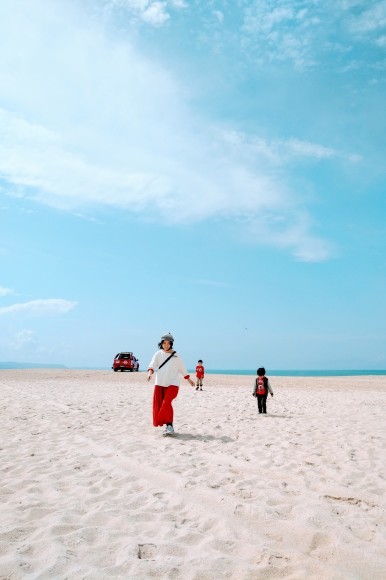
{"x": 90, "y": 489}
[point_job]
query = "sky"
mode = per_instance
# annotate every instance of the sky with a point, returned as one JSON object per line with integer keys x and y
{"x": 210, "y": 168}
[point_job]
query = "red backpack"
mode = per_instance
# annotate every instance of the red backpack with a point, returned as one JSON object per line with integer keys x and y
{"x": 261, "y": 386}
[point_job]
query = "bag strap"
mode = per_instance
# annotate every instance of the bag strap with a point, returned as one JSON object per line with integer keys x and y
{"x": 165, "y": 361}
{"x": 255, "y": 385}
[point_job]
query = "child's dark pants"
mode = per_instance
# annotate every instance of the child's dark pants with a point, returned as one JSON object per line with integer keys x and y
{"x": 262, "y": 403}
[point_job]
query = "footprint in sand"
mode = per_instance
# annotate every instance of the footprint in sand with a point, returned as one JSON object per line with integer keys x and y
{"x": 147, "y": 551}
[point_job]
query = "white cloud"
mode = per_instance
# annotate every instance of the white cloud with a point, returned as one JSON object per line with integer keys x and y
{"x": 305, "y": 149}
{"x": 218, "y": 15}
{"x": 369, "y": 19}
{"x": 153, "y": 12}
{"x": 156, "y": 14}
{"x": 381, "y": 41}
{"x": 24, "y": 338}
{"x": 282, "y": 32}
{"x": 93, "y": 122}
{"x": 300, "y": 32}
{"x": 40, "y": 307}
{"x": 5, "y": 291}
{"x": 290, "y": 234}
{"x": 281, "y": 151}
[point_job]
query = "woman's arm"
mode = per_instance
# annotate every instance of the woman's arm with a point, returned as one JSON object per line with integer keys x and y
{"x": 182, "y": 369}
{"x": 152, "y": 365}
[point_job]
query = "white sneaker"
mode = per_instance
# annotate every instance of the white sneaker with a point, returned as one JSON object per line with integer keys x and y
{"x": 169, "y": 430}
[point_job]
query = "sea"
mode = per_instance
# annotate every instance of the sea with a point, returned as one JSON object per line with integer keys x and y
{"x": 300, "y": 373}
{"x": 272, "y": 373}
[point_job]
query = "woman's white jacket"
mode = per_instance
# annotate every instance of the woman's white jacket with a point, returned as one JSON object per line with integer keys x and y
{"x": 171, "y": 373}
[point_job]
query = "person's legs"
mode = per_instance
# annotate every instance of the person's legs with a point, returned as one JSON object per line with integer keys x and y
{"x": 158, "y": 398}
{"x": 259, "y": 403}
{"x": 264, "y": 403}
{"x": 164, "y": 412}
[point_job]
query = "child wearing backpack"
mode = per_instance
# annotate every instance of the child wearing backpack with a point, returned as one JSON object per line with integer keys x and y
{"x": 261, "y": 388}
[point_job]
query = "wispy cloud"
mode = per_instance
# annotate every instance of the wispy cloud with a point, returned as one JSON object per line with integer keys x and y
{"x": 368, "y": 19}
{"x": 108, "y": 126}
{"x": 204, "y": 282}
{"x": 300, "y": 31}
{"x": 5, "y": 291}
{"x": 153, "y": 12}
{"x": 292, "y": 234}
{"x": 283, "y": 31}
{"x": 40, "y": 307}
{"x": 381, "y": 41}
{"x": 24, "y": 338}
{"x": 281, "y": 151}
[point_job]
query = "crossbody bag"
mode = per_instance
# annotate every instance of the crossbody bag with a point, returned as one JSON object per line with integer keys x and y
{"x": 165, "y": 361}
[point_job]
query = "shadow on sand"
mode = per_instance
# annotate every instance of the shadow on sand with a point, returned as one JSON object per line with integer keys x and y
{"x": 279, "y": 416}
{"x": 191, "y": 437}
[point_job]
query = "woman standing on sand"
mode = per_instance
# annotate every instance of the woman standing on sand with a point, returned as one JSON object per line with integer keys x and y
{"x": 169, "y": 367}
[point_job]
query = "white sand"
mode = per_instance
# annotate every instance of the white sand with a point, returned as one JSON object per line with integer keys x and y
{"x": 90, "y": 489}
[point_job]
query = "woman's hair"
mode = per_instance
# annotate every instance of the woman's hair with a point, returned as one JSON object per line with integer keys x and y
{"x": 160, "y": 343}
{"x": 261, "y": 371}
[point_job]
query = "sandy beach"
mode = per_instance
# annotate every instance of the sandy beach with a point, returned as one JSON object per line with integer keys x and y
{"x": 90, "y": 489}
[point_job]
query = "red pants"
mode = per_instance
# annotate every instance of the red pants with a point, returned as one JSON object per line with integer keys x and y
{"x": 162, "y": 404}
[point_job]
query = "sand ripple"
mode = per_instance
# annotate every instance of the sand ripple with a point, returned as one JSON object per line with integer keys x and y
{"x": 89, "y": 489}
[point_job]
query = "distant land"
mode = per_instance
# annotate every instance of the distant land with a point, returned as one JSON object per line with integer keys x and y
{"x": 25, "y": 365}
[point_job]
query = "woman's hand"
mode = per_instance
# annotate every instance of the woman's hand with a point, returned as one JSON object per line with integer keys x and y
{"x": 191, "y": 383}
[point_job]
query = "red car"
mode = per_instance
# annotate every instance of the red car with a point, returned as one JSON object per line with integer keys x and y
{"x": 125, "y": 361}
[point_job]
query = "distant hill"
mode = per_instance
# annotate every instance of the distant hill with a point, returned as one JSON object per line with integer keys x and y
{"x": 25, "y": 365}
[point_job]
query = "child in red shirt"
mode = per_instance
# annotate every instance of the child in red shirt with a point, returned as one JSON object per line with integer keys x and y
{"x": 200, "y": 371}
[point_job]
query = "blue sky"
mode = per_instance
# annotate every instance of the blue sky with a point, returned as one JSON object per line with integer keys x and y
{"x": 211, "y": 168}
